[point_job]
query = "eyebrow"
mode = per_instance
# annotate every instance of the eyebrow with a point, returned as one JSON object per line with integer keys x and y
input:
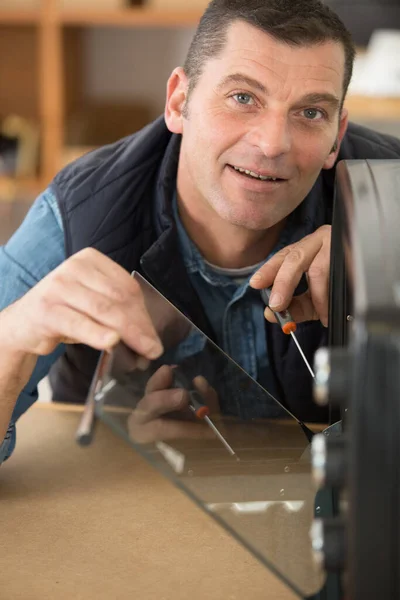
{"x": 240, "y": 78}
{"x": 313, "y": 98}
{"x": 317, "y": 98}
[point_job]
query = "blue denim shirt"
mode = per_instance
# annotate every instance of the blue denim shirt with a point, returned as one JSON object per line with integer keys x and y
{"x": 34, "y": 250}
{"x": 234, "y": 309}
{"x": 236, "y": 314}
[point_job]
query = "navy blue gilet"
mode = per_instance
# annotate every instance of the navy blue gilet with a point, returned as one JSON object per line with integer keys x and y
{"x": 117, "y": 199}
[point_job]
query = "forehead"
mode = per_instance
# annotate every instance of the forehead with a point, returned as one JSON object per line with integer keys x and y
{"x": 316, "y": 68}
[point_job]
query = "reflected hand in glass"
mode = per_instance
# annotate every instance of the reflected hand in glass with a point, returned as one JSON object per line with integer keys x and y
{"x": 163, "y": 413}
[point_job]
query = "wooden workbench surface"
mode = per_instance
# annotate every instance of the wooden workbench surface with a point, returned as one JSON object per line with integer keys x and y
{"x": 100, "y": 523}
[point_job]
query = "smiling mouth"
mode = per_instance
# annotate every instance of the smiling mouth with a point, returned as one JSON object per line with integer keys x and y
{"x": 256, "y": 176}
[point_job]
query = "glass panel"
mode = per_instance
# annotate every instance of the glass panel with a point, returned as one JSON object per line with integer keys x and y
{"x": 255, "y": 480}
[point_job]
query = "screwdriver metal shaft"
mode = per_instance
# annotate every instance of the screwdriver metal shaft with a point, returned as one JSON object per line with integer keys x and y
{"x": 221, "y": 437}
{"x": 302, "y": 354}
{"x": 193, "y": 405}
{"x": 287, "y": 324}
{"x": 198, "y": 407}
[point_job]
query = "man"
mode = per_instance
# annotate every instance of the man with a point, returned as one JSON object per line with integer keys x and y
{"x": 230, "y": 192}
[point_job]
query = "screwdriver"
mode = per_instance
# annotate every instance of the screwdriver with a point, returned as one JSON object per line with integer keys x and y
{"x": 197, "y": 406}
{"x": 288, "y": 325}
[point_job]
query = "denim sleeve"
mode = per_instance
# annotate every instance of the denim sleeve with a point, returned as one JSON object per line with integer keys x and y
{"x": 35, "y": 249}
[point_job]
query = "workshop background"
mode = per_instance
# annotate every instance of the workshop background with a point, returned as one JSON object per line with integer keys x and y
{"x": 76, "y": 74}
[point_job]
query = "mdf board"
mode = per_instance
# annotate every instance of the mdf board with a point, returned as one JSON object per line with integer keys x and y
{"x": 100, "y": 523}
{"x": 19, "y": 71}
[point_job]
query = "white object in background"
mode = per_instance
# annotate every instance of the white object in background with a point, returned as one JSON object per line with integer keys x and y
{"x": 358, "y": 74}
{"x": 377, "y": 72}
{"x": 45, "y": 393}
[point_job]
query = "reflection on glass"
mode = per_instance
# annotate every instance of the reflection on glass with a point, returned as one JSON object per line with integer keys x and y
{"x": 191, "y": 414}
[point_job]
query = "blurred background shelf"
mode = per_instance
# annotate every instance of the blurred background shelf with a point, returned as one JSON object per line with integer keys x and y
{"x": 385, "y": 109}
{"x": 131, "y": 17}
{"x": 80, "y": 82}
{"x": 11, "y": 188}
{"x": 19, "y": 17}
{"x": 16, "y": 198}
{"x": 87, "y": 76}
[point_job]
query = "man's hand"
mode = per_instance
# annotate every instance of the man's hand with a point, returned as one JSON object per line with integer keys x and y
{"x": 88, "y": 299}
{"x": 283, "y": 272}
{"x": 149, "y": 422}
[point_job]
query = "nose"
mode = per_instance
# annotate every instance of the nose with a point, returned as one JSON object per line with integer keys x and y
{"x": 271, "y": 135}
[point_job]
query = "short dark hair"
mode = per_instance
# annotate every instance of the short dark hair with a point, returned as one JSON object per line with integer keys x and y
{"x": 295, "y": 22}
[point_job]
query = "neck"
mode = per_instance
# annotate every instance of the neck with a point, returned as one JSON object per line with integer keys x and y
{"x": 224, "y": 244}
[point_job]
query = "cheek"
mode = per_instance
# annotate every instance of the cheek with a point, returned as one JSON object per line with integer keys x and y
{"x": 311, "y": 154}
{"x": 222, "y": 135}
{"x": 216, "y": 129}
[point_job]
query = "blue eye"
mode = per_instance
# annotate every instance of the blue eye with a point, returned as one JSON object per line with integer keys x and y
{"x": 312, "y": 113}
{"x": 243, "y": 98}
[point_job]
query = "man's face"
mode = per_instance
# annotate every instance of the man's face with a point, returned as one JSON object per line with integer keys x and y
{"x": 263, "y": 107}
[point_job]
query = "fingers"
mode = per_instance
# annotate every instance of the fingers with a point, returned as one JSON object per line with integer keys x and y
{"x": 283, "y": 272}
{"x": 163, "y": 379}
{"x": 318, "y": 283}
{"x": 156, "y": 404}
{"x": 160, "y": 380}
{"x": 159, "y": 400}
{"x": 111, "y": 270}
{"x": 110, "y": 295}
{"x": 167, "y": 430}
{"x": 301, "y": 308}
{"x": 269, "y": 315}
{"x": 208, "y": 392}
{"x": 87, "y": 299}
{"x": 72, "y": 327}
{"x": 147, "y": 423}
{"x": 102, "y": 311}
{"x": 142, "y": 363}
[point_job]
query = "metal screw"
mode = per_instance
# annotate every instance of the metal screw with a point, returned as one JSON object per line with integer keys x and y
{"x": 318, "y": 454}
{"x": 322, "y": 374}
{"x": 317, "y": 540}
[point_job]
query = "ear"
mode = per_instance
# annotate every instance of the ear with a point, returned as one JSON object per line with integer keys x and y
{"x": 344, "y": 121}
{"x": 177, "y": 88}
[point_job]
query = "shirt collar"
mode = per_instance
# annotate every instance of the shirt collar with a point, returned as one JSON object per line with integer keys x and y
{"x": 195, "y": 263}
{"x": 192, "y": 258}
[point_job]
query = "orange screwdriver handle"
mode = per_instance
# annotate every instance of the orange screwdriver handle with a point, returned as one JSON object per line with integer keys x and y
{"x": 196, "y": 404}
{"x": 284, "y": 318}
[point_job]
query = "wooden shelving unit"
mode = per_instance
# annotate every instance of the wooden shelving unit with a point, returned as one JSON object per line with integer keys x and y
{"x": 11, "y": 189}
{"x": 44, "y": 75}
{"x": 50, "y": 42}
{"x": 19, "y": 17}
{"x": 383, "y": 109}
{"x": 131, "y": 17}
